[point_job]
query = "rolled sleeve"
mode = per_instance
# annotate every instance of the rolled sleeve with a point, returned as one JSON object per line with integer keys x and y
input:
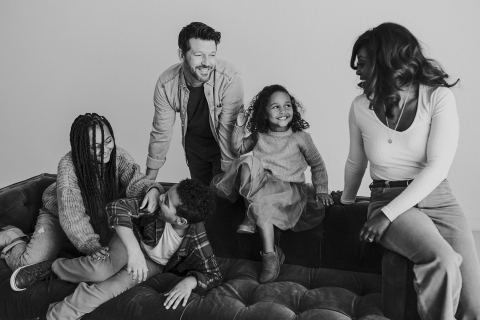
{"x": 162, "y": 129}
{"x": 231, "y": 102}
{"x": 121, "y": 212}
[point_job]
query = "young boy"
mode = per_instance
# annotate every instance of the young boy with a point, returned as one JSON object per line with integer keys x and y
{"x": 145, "y": 245}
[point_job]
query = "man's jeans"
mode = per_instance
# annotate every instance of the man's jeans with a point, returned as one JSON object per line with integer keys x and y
{"x": 109, "y": 276}
{"x": 46, "y": 242}
{"x": 435, "y": 235}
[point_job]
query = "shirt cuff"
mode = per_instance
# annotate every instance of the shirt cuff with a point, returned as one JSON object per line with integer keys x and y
{"x": 389, "y": 213}
{"x": 157, "y": 186}
{"x": 90, "y": 247}
{"x": 155, "y": 164}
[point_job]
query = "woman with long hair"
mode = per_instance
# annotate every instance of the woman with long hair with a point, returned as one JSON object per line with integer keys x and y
{"x": 92, "y": 174}
{"x": 405, "y": 125}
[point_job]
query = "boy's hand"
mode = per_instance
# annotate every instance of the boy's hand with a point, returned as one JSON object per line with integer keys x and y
{"x": 100, "y": 254}
{"x": 182, "y": 290}
{"x": 150, "y": 202}
{"x": 241, "y": 117}
{"x": 324, "y": 198}
{"x": 137, "y": 266}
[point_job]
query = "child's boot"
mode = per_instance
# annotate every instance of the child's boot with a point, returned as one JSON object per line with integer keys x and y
{"x": 9, "y": 237}
{"x": 247, "y": 226}
{"x": 271, "y": 262}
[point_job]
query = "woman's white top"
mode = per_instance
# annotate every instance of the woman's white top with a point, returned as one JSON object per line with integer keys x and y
{"x": 166, "y": 247}
{"x": 424, "y": 152}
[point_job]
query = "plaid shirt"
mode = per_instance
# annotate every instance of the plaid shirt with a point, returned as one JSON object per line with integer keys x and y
{"x": 194, "y": 257}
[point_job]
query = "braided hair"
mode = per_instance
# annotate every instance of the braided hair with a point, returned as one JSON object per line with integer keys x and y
{"x": 97, "y": 180}
{"x": 257, "y": 114}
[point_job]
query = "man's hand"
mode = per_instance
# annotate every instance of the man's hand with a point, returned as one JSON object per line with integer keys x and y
{"x": 150, "y": 202}
{"x": 324, "y": 198}
{"x": 374, "y": 228}
{"x": 137, "y": 266}
{"x": 100, "y": 254}
{"x": 181, "y": 291}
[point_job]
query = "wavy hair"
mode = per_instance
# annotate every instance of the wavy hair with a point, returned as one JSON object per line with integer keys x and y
{"x": 257, "y": 114}
{"x": 196, "y": 30}
{"x": 396, "y": 60}
{"x": 97, "y": 180}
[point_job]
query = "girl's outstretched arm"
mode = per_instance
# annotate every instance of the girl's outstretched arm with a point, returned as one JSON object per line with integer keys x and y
{"x": 241, "y": 144}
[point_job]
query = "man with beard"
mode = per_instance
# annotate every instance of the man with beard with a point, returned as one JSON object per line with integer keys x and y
{"x": 208, "y": 93}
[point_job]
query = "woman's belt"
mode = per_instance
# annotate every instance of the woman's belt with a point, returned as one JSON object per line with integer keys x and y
{"x": 389, "y": 184}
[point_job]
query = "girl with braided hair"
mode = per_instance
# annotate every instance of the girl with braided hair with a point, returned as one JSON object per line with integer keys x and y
{"x": 89, "y": 176}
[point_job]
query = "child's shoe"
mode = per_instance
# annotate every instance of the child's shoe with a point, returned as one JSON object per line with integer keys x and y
{"x": 24, "y": 277}
{"x": 271, "y": 262}
{"x": 247, "y": 226}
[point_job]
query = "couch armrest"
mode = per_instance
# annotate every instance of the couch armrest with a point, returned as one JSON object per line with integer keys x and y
{"x": 21, "y": 201}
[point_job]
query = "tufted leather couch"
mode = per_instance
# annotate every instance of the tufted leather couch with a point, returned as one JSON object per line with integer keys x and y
{"x": 328, "y": 272}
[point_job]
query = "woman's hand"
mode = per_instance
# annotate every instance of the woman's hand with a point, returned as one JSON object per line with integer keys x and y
{"x": 137, "y": 266}
{"x": 181, "y": 291}
{"x": 150, "y": 202}
{"x": 374, "y": 228}
{"x": 100, "y": 254}
{"x": 241, "y": 117}
{"x": 324, "y": 198}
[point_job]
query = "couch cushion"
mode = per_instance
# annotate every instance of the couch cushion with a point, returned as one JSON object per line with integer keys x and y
{"x": 298, "y": 292}
{"x": 20, "y": 202}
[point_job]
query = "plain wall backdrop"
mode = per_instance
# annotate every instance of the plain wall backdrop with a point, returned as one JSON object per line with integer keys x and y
{"x": 59, "y": 59}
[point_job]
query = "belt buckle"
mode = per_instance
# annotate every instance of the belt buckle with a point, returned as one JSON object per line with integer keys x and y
{"x": 387, "y": 184}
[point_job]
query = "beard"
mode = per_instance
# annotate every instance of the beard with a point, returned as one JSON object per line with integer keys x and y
{"x": 195, "y": 72}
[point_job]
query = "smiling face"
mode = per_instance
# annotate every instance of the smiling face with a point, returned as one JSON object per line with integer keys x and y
{"x": 363, "y": 64}
{"x": 169, "y": 202}
{"x": 199, "y": 61}
{"x": 96, "y": 146}
{"x": 279, "y": 111}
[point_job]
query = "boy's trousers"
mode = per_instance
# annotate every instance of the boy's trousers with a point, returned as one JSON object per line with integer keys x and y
{"x": 109, "y": 277}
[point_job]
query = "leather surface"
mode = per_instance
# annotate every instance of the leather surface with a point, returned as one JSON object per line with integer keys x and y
{"x": 307, "y": 288}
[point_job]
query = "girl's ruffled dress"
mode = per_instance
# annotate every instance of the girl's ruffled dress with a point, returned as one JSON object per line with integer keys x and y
{"x": 287, "y": 205}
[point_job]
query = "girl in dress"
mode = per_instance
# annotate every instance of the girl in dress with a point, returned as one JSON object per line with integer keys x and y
{"x": 272, "y": 179}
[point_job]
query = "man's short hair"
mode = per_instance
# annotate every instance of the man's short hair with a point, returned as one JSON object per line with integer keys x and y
{"x": 198, "y": 201}
{"x": 196, "y": 30}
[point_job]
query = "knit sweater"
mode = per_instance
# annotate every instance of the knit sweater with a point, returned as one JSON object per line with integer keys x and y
{"x": 423, "y": 152}
{"x": 285, "y": 154}
{"x": 64, "y": 199}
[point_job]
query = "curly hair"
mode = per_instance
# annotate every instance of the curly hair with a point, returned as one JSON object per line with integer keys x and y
{"x": 198, "y": 201}
{"x": 396, "y": 60}
{"x": 257, "y": 114}
{"x": 97, "y": 180}
{"x": 196, "y": 30}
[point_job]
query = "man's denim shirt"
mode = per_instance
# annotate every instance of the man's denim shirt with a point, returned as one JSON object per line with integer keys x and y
{"x": 224, "y": 94}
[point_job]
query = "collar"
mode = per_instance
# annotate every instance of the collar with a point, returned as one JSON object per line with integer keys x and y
{"x": 280, "y": 134}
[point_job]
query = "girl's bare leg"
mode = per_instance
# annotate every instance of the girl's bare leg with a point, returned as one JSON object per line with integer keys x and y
{"x": 266, "y": 233}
